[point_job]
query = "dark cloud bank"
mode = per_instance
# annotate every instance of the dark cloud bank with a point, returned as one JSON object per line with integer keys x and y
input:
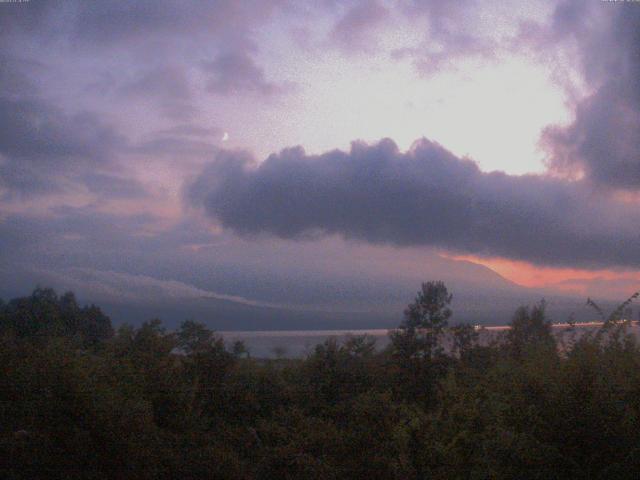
{"x": 426, "y": 196}
{"x": 41, "y": 145}
{"x": 603, "y": 143}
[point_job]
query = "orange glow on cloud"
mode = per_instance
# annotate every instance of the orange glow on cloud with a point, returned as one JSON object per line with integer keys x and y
{"x": 567, "y": 280}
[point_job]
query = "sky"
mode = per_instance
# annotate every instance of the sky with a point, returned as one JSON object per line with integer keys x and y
{"x": 271, "y": 164}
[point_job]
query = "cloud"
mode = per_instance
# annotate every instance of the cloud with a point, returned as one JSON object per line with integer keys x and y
{"x": 168, "y": 87}
{"x": 453, "y": 30}
{"x": 603, "y": 142}
{"x": 237, "y": 72}
{"x": 110, "y": 186}
{"x": 356, "y": 28}
{"x": 47, "y": 150}
{"x": 41, "y": 146}
{"x": 44, "y": 149}
{"x": 426, "y": 196}
{"x": 113, "y": 21}
{"x": 160, "y": 83}
{"x": 182, "y": 142}
{"x": 190, "y": 130}
{"x": 124, "y": 287}
{"x": 15, "y": 76}
{"x": 130, "y": 261}
{"x": 180, "y": 147}
{"x": 153, "y": 32}
{"x": 39, "y": 17}
{"x": 85, "y": 231}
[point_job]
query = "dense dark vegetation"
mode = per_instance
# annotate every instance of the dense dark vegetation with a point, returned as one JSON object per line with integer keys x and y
{"x": 80, "y": 400}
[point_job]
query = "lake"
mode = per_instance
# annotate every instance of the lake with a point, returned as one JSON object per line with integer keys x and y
{"x": 299, "y": 343}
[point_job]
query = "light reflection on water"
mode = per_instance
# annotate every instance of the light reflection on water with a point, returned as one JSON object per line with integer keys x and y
{"x": 299, "y": 343}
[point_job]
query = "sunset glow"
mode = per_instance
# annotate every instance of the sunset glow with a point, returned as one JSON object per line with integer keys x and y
{"x": 566, "y": 280}
{"x": 327, "y": 156}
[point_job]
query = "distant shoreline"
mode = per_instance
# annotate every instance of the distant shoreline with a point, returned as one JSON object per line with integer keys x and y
{"x": 298, "y": 343}
{"x": 384, "y": 331}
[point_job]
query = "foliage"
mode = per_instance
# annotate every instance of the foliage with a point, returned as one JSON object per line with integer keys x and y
{"x": 78, "y": 400}
{"x": 417, "y": 344}
{"x": 45, "y": 314}
{"x": 530, "y": 330}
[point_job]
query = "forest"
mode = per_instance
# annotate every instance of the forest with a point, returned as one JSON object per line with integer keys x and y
{"x": 82, "y": 399}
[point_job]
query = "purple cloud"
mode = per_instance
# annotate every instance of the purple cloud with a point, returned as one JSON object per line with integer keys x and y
{"x": 42, "y": 146}
{"x": 237, "y": 72}
{"x": 426, "y": 196}
{"x": 355, "y": 31}
{"x": 604, "y": 140}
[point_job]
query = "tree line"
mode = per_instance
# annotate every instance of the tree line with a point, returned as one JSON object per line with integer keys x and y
{"x": 80, "y": 399}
